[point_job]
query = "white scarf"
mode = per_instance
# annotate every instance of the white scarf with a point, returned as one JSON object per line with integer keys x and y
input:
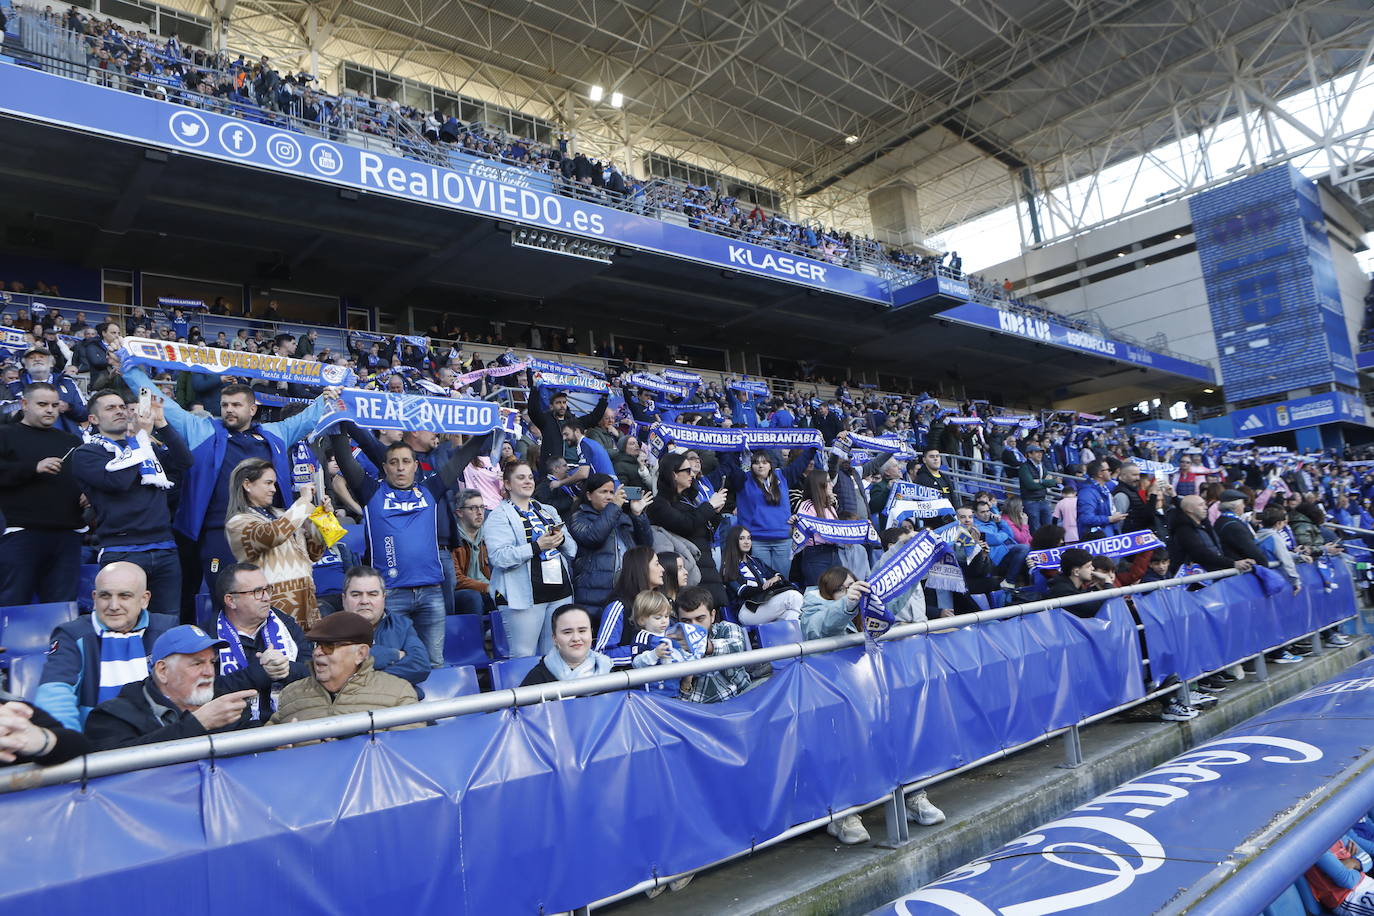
{"x": 593, "y": 665}
{"x": 141, "y": 453}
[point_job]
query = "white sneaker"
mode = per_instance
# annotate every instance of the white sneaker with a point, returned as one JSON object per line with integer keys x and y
{"x": 849, "y": 830}
{"x": 1175, "y": 711}
{"x": 680, "y": 883}
{"x": 1336, "y": 640}
{"x": 920, "y": 810}
{"x": 656, "y": 891}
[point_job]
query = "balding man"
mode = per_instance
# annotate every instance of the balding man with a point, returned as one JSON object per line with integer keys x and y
{"x": 1192, "y": 540}
{"x": 94, "y": 656}
{"x": 1235, "y": 535}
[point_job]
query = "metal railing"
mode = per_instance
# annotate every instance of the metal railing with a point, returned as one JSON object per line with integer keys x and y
{"x": 276, "y": 736}
{"x": 105, "y": 763}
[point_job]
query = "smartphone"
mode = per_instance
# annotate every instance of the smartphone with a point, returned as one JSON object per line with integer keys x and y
{"x": 634, "y": 493}
{"x": 145, "y": 401}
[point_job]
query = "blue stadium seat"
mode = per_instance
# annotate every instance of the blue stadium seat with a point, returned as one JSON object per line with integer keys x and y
{"x": 450, "y": 681}
{"x": 508, "y": 673}
{"x": 205, "y": 612}
{"x": 85, "y": 585}
{"x": 779, "y": 632}
{"x": 28, "y": 628}
{"x": 25, "y": 673}
{"x": 1309, "y": 902}
{"x": 498, "y": 636}
{"x": 981, "y": 600}
{"x": 463, "y": 641}
{"x": 1288, "y": 904}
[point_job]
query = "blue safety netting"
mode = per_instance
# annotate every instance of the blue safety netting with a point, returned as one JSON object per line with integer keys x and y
{"x": 563, "y": 803}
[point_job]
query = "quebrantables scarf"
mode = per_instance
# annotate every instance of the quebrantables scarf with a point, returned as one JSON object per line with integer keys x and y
{"x": 924, "y": 556}
{"x": 832, "y": 531}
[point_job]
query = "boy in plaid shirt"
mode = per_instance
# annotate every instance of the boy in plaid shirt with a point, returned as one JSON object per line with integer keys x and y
{"x": 694, "y": 605}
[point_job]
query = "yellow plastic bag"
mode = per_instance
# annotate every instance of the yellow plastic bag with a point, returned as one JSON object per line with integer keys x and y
{"x": 329, "y": 526}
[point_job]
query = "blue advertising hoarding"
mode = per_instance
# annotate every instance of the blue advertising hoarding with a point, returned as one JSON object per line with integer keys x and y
{"x": 1271, "y": 286}
{"x": 1299, "y": 413}
{"x": 1215, "y": 821}
{"x": 1056, "y": 335}
{"x": 484, "y": 188}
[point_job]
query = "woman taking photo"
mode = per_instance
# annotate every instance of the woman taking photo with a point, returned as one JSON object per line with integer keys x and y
{"x": 605, "y": 525}
{"x": 530, "y": 561}
{"x": 762, "y": 594}
{"x": 761, "y": 503}
{"x": 676, "y": 509}
{"x": 285, "y": 544}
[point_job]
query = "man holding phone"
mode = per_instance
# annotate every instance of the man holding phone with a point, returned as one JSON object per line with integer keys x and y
{"x": 126, "y": 476}
{"x": 40, "y": 548}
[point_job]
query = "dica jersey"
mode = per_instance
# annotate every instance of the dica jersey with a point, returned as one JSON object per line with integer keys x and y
{"x": 402, "y": 536}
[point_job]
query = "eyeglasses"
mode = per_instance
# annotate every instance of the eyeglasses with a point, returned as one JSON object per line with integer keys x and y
{"x": 683, "y": 471}
{"x": 328, "y": 647}
{"x": 262, "y": 592}
{"x": 477, "y": 508}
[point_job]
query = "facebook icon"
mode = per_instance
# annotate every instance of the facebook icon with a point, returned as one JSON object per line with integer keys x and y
{"x": 237, "y": 140}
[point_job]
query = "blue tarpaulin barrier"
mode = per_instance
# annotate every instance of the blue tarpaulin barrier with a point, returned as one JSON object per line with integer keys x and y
{"x": 1157, "y": 840}
{"x": 563, "y": 803}
{"x": 1191, "y": 633}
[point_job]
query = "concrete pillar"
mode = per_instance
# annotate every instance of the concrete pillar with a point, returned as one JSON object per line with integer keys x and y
{"x": 896, "y": 216}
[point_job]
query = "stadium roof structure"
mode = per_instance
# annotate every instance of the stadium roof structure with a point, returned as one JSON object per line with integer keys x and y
{"x": 826, "y": 100}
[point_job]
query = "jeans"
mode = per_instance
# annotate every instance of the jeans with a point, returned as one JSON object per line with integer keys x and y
{"x": 163, "y": 569}
{"x": 424, "y": 605}
{"x": 529, "y": 630}
{"x": 1038, "y": 512}
{"x": 1013, "y": 565}
{"x": 816, "y": 559}
{"x": 776, "y": 554}
{"x": 450, "y": 578}
{"x": 215, "y": 555}
{"x": 39, "y": 561}
{"x": 471, "y": 601}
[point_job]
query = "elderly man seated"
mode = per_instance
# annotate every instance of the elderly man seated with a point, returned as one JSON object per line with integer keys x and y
{"x": 176, "y": 700}
{"x": 95, "y": 655}
{"x": 345, "y": 679}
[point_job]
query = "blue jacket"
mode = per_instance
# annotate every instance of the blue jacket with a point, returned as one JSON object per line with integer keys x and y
{"x": 820, "y": 617}
{"x": 999, "y": 536}
{"x": 70, "y": 686}
{"x": 206, "y": 438}
{"x": 510, "y": 551}
{"x": 602, "y": 539}
{"x": 764, "y": 521}
{"x": 396, "y": 634}
{"x": 1094, "y": 510}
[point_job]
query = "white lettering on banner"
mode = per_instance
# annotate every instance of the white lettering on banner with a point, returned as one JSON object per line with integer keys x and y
{"x": 1091, "y": 342}
{"x": 778, "y": 264}
{"x": 1143, "y": 853}
{"x": 1034, "y": 328}
{"x": 476, "y": 189}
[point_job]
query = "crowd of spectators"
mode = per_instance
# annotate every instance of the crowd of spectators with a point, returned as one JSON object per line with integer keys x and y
{"x": 598, "y": 550}
{"x": 260, "y": 89}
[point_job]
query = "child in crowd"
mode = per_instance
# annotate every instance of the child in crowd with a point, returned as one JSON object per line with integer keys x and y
{"x": 653, "y": 614}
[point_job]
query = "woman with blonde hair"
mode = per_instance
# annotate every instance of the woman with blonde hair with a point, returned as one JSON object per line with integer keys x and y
{"x": 285, "y": 543}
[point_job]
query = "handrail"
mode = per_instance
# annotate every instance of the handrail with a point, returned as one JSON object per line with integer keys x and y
{"x": 105, "y": 763}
